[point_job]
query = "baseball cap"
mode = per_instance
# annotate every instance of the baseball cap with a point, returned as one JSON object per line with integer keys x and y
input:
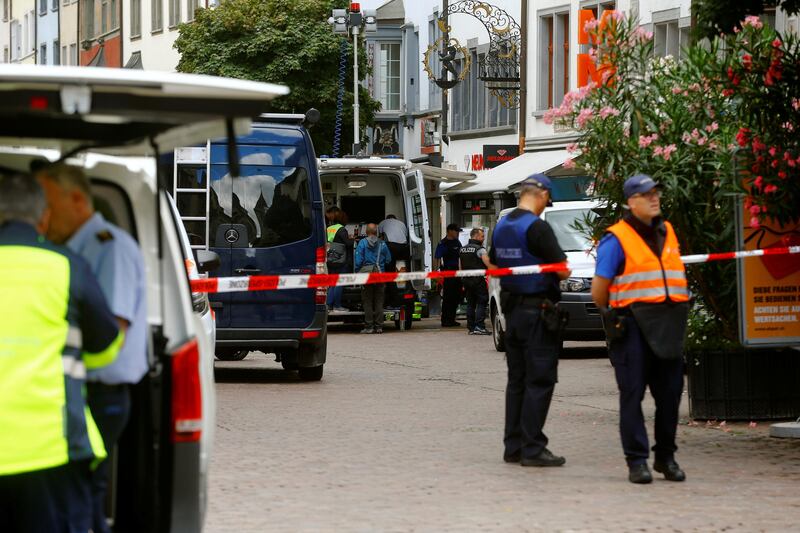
{"x": 539, "y": 180}
{"x": 640, "y": 183}
{"x": 453, "y": 227}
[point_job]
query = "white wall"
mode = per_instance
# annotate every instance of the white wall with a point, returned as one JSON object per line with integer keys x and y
{"x": 156, "y": 48}
{"x": 47, "y": 30}
{"x": 68, "y": 31}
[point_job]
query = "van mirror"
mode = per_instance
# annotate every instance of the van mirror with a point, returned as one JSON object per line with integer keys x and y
{"x": 207, "y": 261}
{"x": 312, "y": 117}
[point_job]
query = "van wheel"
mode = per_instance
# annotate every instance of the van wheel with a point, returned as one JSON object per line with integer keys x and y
{"x": 409, "y": 321}
{"x": 288, "y": 362}
{"x": 312, "y": 373}
{"x": 231, "y": 355}
{"x": 498, "y": 335}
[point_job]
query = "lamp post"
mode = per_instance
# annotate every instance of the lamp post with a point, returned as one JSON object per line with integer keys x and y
{"x": 347, "y": 22}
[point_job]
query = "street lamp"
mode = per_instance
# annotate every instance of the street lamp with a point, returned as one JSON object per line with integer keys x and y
{"x": 346, "y": 22}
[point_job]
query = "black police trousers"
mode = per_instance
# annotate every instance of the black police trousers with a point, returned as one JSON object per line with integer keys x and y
{"x": 451, "y": 298}
{"x": 637, "y": 367}
{"x": 532, "y": 357}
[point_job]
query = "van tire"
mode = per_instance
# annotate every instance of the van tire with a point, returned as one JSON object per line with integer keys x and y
{"x": 310, "y": 373}
{"x": 498, "y": 335}
{"x": 288, "y": 362}
{"x": 231, "y": 354}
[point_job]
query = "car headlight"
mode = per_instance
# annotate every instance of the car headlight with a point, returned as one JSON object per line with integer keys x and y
{"x": 575, "y": 284}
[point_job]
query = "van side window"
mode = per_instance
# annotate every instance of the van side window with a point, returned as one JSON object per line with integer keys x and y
{"x": 411, "y": 182}
{"x": 271, "y": 202}
{"x": 416, "y": 216}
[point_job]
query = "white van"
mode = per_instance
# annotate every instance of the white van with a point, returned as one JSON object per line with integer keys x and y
{"x": 576, "y": 292}
{"x": 368, "y": 189}
{"x": 71, "y": 114}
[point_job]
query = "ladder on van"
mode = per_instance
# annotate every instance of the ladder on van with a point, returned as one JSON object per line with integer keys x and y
{"x": 191, "y": 190}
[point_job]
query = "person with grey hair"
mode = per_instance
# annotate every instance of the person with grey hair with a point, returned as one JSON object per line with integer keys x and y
{"x": 372, "y": 255}
{"x": 54, "y": 327}
{"x": 116, "y": 260}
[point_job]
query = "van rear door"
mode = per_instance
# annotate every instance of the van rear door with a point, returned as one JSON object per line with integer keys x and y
{"x": 418, "y": 226}
{"x": 265, "y": 218}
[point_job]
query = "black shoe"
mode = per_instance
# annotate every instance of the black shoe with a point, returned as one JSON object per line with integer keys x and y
{"x": 639, "y": 474}
{"x": 670, "y": 469}
{"x": 545, "y": 458}
{"x": 512, "y": 457}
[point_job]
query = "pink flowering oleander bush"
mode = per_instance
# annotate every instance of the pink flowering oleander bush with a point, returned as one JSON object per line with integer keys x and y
{"x": 721, "y": 122}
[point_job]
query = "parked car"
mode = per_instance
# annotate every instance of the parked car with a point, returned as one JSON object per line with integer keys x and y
{"x": 268, "y": 219}
{"x": 71, "y": 114}
{"x": 576, "y": 292}
{"x": 368, "y": 189}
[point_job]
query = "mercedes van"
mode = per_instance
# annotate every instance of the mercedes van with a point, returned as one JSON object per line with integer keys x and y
{"x": 267, "y": 219}
{"x": 72, "y": 114}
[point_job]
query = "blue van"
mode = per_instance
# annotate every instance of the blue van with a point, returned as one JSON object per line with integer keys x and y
{"x": 268, "y": 220}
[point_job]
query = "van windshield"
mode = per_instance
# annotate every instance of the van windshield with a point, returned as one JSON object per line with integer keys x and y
{"x": 563, "y": 223}
{"x": 271, "y": 202}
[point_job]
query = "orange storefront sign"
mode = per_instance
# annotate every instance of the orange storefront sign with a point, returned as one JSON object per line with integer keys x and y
{"x": 587, "y": 68}
{"x": 769, "y": 286}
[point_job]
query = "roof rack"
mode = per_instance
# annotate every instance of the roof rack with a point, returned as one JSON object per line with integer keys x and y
{"x": 287, "y": 118}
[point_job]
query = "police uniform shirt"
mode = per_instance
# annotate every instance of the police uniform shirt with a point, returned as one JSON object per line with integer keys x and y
{"x": 449, "y": 251}
{"x": 117, "y": 262}
{"x": 542, "y": 243}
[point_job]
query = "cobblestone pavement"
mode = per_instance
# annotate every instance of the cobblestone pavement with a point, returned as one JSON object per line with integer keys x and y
{"x": 404, "y": 434}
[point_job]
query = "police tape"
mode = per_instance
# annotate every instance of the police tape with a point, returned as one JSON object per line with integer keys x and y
{"x": 313, "y": 281}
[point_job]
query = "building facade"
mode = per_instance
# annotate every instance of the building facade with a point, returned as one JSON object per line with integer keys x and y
{"x": 68, "y": 32}
{"x": 48, "y": 49}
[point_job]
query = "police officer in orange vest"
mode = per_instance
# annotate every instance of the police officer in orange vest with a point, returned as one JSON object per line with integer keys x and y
{"x": 640, "y": 286}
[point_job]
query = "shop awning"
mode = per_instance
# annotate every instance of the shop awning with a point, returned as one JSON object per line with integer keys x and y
{"x": 443, "y": 174}
{"x": 135, "y": 61}
{"x": 509, "y": 174}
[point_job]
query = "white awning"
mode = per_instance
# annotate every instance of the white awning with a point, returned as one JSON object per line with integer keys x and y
{"x": 509, "y": 174}
{"x": 444, "y": 174}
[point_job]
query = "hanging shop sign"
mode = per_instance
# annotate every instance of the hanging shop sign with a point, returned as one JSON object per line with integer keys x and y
{"x": 495, "y": 155}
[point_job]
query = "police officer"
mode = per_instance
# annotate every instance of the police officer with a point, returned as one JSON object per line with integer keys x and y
{"x": 117, "y": 262}
{"x": 448, "y": 252}
{"x": 338, "y": 252}
{"x": 520, "y": 239}
{"x": 54, "y": 325}
{"x": 474, "y": 257}
{"x": 639, "y": 273}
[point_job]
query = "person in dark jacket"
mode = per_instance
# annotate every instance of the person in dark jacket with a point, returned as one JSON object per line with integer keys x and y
{"x": 339, "y": 246}
{"x": 475, "y": 257}
{"x": 448, "y": 252}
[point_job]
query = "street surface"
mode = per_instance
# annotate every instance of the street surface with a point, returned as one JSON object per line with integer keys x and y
{"x": 404, "y": 433}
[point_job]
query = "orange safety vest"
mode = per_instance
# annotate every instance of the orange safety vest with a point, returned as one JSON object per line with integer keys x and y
{"x": 647, "y": 278}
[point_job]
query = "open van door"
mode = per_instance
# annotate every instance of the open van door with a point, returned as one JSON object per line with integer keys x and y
{"x": 419, "y": 233}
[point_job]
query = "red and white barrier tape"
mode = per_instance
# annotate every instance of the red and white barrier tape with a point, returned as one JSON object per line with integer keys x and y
{"x": 312, "y": 281}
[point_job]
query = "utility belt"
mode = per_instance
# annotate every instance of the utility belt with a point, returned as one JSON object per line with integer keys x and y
{"x": 554, "y": 318}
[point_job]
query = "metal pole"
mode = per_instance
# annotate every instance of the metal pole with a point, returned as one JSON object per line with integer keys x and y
{"x": 356, "y": 140}
{"x": 446, "y": 39}
{"x": 522, "y": 119}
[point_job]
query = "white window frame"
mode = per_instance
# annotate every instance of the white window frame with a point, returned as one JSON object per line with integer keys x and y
{"x": 553, "y": 30}
{"x": 174, "y": 13}
{"x": 382, "y": 77}
{"x": 156, "y": 16}
{"x": 136, "y": 19}
{"x": 191, "y": 7}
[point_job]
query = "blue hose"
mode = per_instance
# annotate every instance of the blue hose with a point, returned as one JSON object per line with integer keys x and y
{"x": 337, "y": 132}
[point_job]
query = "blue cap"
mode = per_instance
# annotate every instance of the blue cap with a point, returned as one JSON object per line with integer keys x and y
{"x": 640, "y": 183}
{"x": 539, "y": 180}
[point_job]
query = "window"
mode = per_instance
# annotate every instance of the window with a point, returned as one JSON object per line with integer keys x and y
{"x": 114, "y": 15}
{"x": 43, "y": 54}
{"x": 434, "y": 91}
{"x": 669, "y": 39}
{"x": 5, "y": 9}
{"x": 388, "y": 83}
{"x": 73, "y": 54}
{"x": 64, "y": 56}
{"x": 136, "y": 18}
{"x": 16, "y": 41}
{"x": 104, "y": 16}
{"x": 55, "y": 5}
{"x": 42, "y": 7}
{"x": 87, "y": 8}
{"x": 156, "y": 15}
{"x": 473, "y": 104}
{"x": 56, "y": 53}
{"x": 6, "y": 56}
{"x": 174, "y": 13}
{"x": 191, "y": 7}
{"x": 553, "y": 59}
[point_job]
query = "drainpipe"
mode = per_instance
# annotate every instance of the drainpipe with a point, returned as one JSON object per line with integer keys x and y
{"x": 446, "y": 37}
{"x": 522, "y": 119}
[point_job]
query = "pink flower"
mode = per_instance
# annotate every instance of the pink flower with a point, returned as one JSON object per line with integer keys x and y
{"x": 757, "y": 183}
{"x": 776, "y": 43}
{"x": 712, "y": 145}
{"x": 591, "y": 25}
{"x": 701, "y": 141}
{"x": 645, "y": 141}
{"x": 593, "y": 54}
{"x": 695, "y": 133}
{"x": 658, "y": 150}
{"x": 755, "y": 209}
{"x": 572, "y": 147}
{"x": 677, "y": 90}
{"x": 669, "y": 149}
{"x": 773, "y": 151}
{"x": 549, "y": 116}
{"x": 769, "y": 189}
{"x": 583, "y": 117}
{"x": 753, "y": 21}
{"x": 712, "y": 127}
{"x": 754, "y": 223}
{"x": 608, "y": 111}
{"x": 569, "y": 164}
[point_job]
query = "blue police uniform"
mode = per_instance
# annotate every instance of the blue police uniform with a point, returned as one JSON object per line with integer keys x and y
{"x": 117, "y": 262}
{"x": 636, "y": 368}
{"x": 531, "y": 349}
{"x": 449, "y": 252}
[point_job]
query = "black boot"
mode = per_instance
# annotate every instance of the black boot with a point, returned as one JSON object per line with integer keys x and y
{"x": 639, "y": 474}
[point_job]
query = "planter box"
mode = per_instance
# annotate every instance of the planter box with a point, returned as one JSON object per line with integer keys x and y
{"x": 744, "y": 384}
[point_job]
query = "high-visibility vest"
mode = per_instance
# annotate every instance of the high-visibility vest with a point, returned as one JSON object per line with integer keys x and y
{"x": 647, "y": 278}
{"x": 44, "y": 419}
{"x": 332, "y": 229}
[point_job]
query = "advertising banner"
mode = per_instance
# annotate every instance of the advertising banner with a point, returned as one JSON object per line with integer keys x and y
{"x": 495, "y": 155}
